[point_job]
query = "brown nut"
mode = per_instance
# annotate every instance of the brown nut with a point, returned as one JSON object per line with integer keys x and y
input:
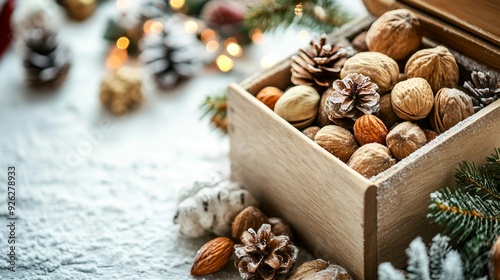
{"x": 311, "y": 131}
{"x": 212, "y": 256}
{"x": 322, "y": 118}
{"x": 412, "y": 99}
{"x": 385, "y": 111}
{"x": 280, "y": 227}
{"x": 359, "y": 42}
{"x": 269, "y": 96}
{"x": 80, "y": 9}
{"x": 430, "y": 135}
{"x": 450, "y": 107}
{"x": 298, "y": 106}
{"x": 309, "y": 269}
{"x": 381, "y": 69}
{"x": 250, "y": 217}
{"x": 396, "y": 33}
{"x": 436, "y": 65}
{"x": 371, "y": 159}
{"x": 405, "y": 139}
{"x": 336, "y": 140}
{"x": 370, "y": 129}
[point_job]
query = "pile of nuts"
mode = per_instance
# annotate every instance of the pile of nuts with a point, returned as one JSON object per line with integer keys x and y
{"x": 397, "y": 112}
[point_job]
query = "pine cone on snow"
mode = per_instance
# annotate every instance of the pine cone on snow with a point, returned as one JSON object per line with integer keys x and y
{"x": 320, "y": 64}
{"x": 262, "y": 255}
{"x": 170, "y": 55}
{"x": 483, "y": 89}
{"x": 45, "y": 61}
{"x": 352, "y": 97}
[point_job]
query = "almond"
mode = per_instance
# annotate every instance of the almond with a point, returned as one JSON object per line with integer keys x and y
{"x": 370, "y": 129}
{"x": 250, "y": 217}
{"x": 212, "y": 256}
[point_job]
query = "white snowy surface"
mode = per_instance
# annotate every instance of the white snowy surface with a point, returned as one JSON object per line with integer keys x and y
{"x": 95, "y": 193}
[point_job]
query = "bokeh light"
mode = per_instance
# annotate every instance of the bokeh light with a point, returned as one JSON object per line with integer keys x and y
{"x": 122, "y": 43}
{"x": 212, "y": 46}
{"x": 234, "y": 49}
{"x": 224, "y": 63}
{"x": 177, "y": 4}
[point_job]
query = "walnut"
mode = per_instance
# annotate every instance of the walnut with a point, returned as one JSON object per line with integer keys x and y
{"x": 371, "y": 159}
{"x": 381, "y": 69}
{"x": 370, "y": 129}
{"x": 436, "y": 65}
{"x": 385, "y": 111}
{"x": 298, "y": 106}
{"x": 412, "y": 99}
{"x": 404, "y": 139}
{"x": 450, "y": 107}
{"x": 336, "y": 140}
{"x": 396, "y": 33}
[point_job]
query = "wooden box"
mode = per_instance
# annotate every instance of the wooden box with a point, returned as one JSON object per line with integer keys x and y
{"x": 340, "y": 215}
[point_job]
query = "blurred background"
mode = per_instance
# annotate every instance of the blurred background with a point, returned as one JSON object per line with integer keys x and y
{"x": 108, "y": 108}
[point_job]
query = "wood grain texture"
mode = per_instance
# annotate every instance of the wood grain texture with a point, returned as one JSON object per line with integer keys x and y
{"x": 403, "y": 191}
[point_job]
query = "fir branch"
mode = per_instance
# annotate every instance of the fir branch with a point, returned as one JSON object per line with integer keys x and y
{"x": 476, "y": 252}
{"x": 215, "y": 108}
{"x": 317, "y": 15}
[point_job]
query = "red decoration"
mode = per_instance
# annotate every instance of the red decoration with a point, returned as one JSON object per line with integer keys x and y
{"x": 5, "y": 28}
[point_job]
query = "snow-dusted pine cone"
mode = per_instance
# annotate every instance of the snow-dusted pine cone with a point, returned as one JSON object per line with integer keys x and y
{"x": 262, "y": 255}
{"x": 320, "y": 64}
{"x": 170, "y": 55}
{"x": 483, "y": 88}
{"x": 46, "y": 62}
{"x": 352, "y": 97}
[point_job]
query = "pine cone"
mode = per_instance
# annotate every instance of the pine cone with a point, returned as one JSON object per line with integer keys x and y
{"x": 170, "y": 55}
{"x": 262, "y": 255}
{"x": 352, "y": 97}
{"x": 45, "y": 61}
{"x": 483, "y": 89}
{"x": 320, "y": 64}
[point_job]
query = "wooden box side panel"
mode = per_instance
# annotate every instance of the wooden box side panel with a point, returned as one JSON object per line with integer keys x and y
{"x": 294, "y": 178}
{"x": 403, "y": 194}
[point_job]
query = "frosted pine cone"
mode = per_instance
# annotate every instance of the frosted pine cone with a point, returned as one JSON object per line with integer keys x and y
{"x": 483, "y": 89}
{"x": 171, "y": 55}
{"x": 351, "y": 98}
{"x": 262, "y": 255}
{"x": 320, "y": 64}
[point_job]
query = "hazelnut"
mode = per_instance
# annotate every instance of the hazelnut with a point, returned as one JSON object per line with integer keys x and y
{"x": 436, "y": 65}
{"x": 280, "y": 227}
{"x": 430, "y": 134}
{"x": 269, "y": 96}
{"x": 298, "y": 106}
{"x": 450, "y": 107}
{"x": 396, "y": 33}
{"x": 371, "y": 159}
{"x": 311, "y": 131}
{"x": 404, "y": 139}
{"x": 370, "y": 129}
{"x": 385, "y": 111}
{"x": 250, "y": 217}
{"x": 322, "y": 118}
{"x": 336, "y": 140}
{"x": 381, "y": 69}
{"x": 412, "y": 99}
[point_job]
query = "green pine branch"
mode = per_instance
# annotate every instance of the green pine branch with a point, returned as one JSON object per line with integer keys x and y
{"x": 470, "y": 212}
{"x": 316, "y": 15}
{"x": 215, "y": 108}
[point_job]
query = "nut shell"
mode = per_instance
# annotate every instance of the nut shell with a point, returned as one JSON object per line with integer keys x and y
{"x": 404, "y": 139}
{"x": 337, "y": 140}
{"x": 412, "y": 99}
{"x": 298, "y": 106}
{"x": 396, "y": 33}
{"x": 371, "y": 159}
{"x": 436, "y": 65}
{"x": 311, "y": 131}
{"x": 250, "y": 217}
{"x": 381, "y": 69}
{"x": 370, "y": 129}
{"x": 269, "y": 96}
{"x": 280, "y": 227}
{"x": 450, "y": 107}
{"x": 322, "y": 118}
{"x": 385, "y": 111}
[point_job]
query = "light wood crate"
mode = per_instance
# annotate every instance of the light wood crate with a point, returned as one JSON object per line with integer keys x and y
{"x": 338, "y": 214}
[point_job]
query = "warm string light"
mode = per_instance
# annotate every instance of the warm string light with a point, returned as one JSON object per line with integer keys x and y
{"x": 191, "y": 26}
{"x": 152, "y": 26}
{"x": 116, "y": 58}
{"x": 224, "y": 63}
{"x": 268, "y": 61}
{"x": 256, "y": 35}
{"x": 298, "y": 9}
{"x": 212, "y": 46}
{"x": 177, "y": 4}
{"x": 234, "y": 49}
{"x": 122, "y": 43}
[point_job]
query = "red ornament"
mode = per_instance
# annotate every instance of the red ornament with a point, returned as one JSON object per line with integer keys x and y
{"x": 5, "y": 28}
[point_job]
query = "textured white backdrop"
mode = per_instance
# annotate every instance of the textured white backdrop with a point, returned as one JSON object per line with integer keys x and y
{"x": 96, "y": 193}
